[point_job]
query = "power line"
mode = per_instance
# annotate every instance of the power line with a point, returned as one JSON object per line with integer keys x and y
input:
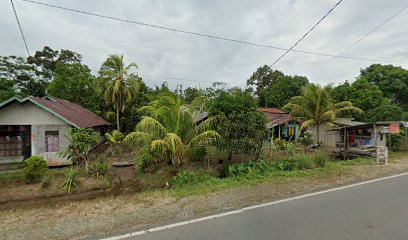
{"x": 374, "y": 29}
{"x": 298, "y": 41}
{"x": 19, "y": 27}
{"x": 204, "y": 35}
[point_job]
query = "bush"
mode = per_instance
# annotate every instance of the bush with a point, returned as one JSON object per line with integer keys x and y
{"x": 283, "y": 165}
{"x": 71, "y": 180}
{"x": 303, "y": 161}
{"x": 197, "y": 153}
{"x": 34, "y": 168}
{"x": 145, "y": 158}
{"x": 113, "y": 151}
{"x": 100, "y": 168}
{"x": 184, "y": 178}
{"x": 252, "y": 167}
{"x": 320, "y": 159}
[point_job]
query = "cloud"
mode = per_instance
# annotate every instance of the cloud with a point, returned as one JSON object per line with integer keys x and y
{"x": 163, "y": 53}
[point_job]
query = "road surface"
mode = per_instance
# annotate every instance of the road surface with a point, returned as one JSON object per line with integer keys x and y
{"x": 375, "y": 210}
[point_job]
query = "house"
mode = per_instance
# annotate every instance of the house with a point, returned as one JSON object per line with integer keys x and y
{"x": 356, "y": 138}
{"x": 281, "y": 125}
{"x": 38, "y": 126}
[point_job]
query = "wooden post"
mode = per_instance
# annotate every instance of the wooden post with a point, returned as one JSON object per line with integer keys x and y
{"x": 279, "y": 133}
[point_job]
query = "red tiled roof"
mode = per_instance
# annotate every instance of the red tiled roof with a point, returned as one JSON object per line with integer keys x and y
{"x": 70, "y": 111}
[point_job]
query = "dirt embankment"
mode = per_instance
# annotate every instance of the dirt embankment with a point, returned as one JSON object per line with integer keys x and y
{"x": 98, "y": 216}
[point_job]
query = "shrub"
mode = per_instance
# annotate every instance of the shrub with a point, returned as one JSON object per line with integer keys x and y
{"x": 184, "y": 178}
{"x": 145, "y": 158}
{"x": 46, "y": 181}
{"x": 320, "y": 159}
{"x": 283, "y": 165}
{"x": 100, "y": 168}
{"x": 34, "y": 168}
{"x": 197, "y": 153}
{"x": 252, "y": 167}
{"x": 303, "y": 161}
{"x": 71, "y": 180}
{"x": 113, "y": 151}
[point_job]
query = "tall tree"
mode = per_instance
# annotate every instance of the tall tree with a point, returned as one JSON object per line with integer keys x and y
{"x": 75, "y": 83}
{"x": 241, "y": 125}
{"x": 122, "y": 84}
{"x": 315, "y": 107}
{"x": 391, "y": 80}
{"x": 261, "y": 79}
{"x": 283, "y": 88}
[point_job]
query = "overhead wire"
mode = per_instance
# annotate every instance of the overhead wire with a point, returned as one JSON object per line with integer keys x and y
{"x": 374, "y": 29}
{"x": 307, "y": 33}
{"x": 205, "y": 35}
{"x": 20, "y": 28}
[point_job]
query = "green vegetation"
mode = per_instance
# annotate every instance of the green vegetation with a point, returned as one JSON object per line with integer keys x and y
{"x": 82, "y": 140}
{"x": 34, "y": 168}
{"x": 99, "y": 169}
{"x": 168, "y": 127}
{"x": 315, "y": 107}
{"x": 241, "y": 125}
{"x": 71, "y": 180}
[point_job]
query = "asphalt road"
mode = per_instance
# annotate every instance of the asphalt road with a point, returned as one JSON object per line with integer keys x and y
{"x": 377, "y": 210}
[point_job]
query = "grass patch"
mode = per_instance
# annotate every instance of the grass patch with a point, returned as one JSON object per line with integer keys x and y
{"x": 205, "y": 183}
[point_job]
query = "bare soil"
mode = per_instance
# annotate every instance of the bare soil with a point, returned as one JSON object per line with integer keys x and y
{"x": 103, "y": 215}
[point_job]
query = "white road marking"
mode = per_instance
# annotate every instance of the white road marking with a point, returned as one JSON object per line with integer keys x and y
{"x": 155, "y": 229}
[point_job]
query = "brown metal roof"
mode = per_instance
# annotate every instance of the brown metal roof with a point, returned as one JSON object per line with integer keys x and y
{"x": 70, "y": 111}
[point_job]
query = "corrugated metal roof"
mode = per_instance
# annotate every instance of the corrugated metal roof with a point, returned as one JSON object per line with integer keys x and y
{"x": 69, "y": 112}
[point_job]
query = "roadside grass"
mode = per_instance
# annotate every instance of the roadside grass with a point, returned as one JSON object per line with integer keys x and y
{"x": 208, "y": 184}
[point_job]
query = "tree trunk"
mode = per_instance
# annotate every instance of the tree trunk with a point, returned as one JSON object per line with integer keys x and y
{"x": 318, "y": 133}
{"x": 117, "y": 117}
{"x": 229, "y": 155}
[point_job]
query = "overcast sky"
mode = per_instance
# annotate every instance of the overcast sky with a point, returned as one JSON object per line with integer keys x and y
{"x": 168, "y": 54}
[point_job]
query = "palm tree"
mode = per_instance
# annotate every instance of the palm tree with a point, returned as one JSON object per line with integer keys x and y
{"x": 169, "y": 125}
{"x": 315, "y": 107}
{"x": 121, "y": 84}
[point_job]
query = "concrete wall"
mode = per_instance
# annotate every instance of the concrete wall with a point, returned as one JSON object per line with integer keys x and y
{"x": 40, "y": 121}
{"x": 38, "y": 142}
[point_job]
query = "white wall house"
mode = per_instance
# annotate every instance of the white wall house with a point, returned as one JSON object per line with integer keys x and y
{"x": 37, "y": 127}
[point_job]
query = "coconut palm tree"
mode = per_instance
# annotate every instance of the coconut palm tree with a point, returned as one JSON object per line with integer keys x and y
{"x": 315, "y": 107}
{"x": 169, "y": 125}
{"x": 121, "y": 84}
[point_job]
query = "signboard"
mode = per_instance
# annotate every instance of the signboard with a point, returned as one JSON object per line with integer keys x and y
{"x": 394, "y": 128}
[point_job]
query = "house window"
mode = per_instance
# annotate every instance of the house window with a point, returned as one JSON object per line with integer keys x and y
{"x": 51, "y": 141}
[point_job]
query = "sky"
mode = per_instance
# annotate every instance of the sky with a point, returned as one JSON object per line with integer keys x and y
{"x": 159, "y": 53}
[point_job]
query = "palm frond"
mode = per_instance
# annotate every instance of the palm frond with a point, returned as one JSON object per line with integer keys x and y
{"x": 205, "y": 138}
{"x": 152, "y": 126}
{"x": 138, "y": 138}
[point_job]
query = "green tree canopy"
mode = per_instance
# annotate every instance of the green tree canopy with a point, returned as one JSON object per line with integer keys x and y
{"x": 242, "y": 126}
{"x": 282, "y": 89}
{"x": 262, "y": 79}
{"x": 75, "y": 83}
{"x": 391, "y": 80}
